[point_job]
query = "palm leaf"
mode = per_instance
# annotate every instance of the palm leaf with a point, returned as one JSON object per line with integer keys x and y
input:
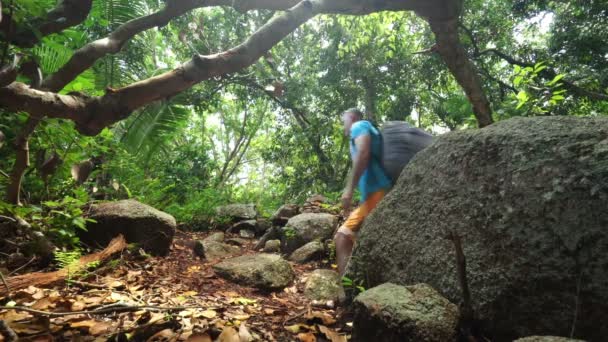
{"x": 51, "y": 55}
{"x": 152, "y": 129}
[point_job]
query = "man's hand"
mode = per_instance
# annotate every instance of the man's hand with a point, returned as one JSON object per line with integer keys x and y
{"x": 347, "y": 199}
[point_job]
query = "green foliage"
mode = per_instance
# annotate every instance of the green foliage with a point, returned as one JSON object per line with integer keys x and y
{"x": 63, "y": 218}
{"x": 59, "y": 220}
{"x": 535, "y": 96}
{"x": 289, "y": 233}
{"x": 69, "y": 260}
{"x": 348, "y": 283}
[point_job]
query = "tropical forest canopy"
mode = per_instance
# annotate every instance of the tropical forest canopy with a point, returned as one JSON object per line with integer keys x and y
{"x": 188, "y": 104}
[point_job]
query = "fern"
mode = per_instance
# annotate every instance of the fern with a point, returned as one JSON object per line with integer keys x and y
{"x": 68, "y": 261}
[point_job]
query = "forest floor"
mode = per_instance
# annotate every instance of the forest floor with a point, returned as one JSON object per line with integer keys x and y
{"x": 184, "y": 300}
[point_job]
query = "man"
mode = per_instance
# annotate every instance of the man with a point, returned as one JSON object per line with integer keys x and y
{"x": 367, "y": 173}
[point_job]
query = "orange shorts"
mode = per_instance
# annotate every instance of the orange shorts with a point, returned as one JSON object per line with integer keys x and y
{"x": 355, "y": 219}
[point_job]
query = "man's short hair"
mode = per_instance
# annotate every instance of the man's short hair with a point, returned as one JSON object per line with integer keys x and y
{"x": 355, "y": 111}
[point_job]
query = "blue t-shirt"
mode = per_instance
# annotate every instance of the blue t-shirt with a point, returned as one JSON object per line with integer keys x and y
{"x": 373, "y": 178}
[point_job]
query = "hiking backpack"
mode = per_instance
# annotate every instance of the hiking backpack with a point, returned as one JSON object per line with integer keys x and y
{"x": 400, "y": 142}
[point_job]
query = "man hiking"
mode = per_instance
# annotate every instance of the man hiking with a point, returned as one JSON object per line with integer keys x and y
{"x": 367, "y": 172}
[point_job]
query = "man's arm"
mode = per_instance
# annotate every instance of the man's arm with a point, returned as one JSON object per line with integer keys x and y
{"x": 360, "y": 162}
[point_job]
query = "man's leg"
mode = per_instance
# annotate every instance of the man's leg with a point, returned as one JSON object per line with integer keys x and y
{"x": 345, "y": 236}
{"x": 344, "y": 248}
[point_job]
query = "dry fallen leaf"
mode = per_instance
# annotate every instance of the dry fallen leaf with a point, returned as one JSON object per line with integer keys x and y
{"x": 324, "y": 318}
{"x": 331, "y": 334}
{"x": 296, "y": 328}
{"x": 244, "y": 334}
{"x": 199, "y": 338}
{"x": 208, "y": 314}
{"x": 241, "y": 317}
{"x": 307, "y": 337}
{"x": 94, "y": 327}
{"x": 229, "y": 334}
{"x": 163, "y": 335}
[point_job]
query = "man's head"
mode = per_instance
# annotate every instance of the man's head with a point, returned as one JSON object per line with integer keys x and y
{"x": 349, "y": 117}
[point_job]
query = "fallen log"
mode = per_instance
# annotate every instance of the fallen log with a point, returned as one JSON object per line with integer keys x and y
{"x": 41, "y": 278}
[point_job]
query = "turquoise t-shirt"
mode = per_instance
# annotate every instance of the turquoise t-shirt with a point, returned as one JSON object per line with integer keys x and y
{"x": 373, "y": 178}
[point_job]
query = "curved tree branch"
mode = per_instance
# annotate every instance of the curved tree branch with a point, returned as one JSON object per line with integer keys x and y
{"x": 92, "y": 114}
{"x": 66, "y": 14}
{"x": 86, "y": 56}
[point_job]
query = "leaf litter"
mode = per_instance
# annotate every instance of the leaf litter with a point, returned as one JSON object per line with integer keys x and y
{"x": 207, "y": 308}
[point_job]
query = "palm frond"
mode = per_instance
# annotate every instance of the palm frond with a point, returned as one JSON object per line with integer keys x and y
{"x": 51, "y": 55}
{"x": 152, "y": 129}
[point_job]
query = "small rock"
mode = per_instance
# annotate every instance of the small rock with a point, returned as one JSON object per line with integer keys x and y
{"x": 216, "y": 250}
{"x": 324, "y": 286}
{"x": 546, "y": 339}
{"x": 237, "y": 241}
{"x": 237, "y": 211}
{"x": 271, "y": 234}
{"x": 317, "y": 198}
{"x": 217, "y": 237}
{"x": 247, "y": 224}
{"x": 308, "y": 227}
{"x": 262, "y": 226}
{"x": 272, "y": 246}
{"x": 310, "y": 251}
{"x": 16, "y": 260}
{"x": 284, "y": 213}
{"x": 264, "y": 271}
{"x": 199, "y": 249}
{"x": 247, "y": 234}
{"x": 393, "y": 313}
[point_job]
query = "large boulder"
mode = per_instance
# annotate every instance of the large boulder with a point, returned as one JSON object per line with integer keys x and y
{"x": 308, "y": 227}
{"x": 237, "y": 211}
{"x": 393, "y": 313}
{"x": 264, "y": 271}
{"x": 528, "y": 198}
{"x": 152, "y": 229}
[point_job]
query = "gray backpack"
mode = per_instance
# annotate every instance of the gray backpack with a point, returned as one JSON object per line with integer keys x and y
{"x": 400, "y": 142}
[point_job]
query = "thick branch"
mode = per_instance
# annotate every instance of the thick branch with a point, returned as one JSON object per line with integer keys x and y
{"x": 92, "y": 114}
{"x": 86, "y": 56}
{"x": 457, "y": 60}
{"x": 550, "y": 74}
{"x": 66, "y": 14}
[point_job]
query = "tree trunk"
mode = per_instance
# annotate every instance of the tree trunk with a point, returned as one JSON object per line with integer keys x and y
{"x": 455, "y": 56}
{"x": 22, "y": 161}
{"x": 370, "y": 99}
